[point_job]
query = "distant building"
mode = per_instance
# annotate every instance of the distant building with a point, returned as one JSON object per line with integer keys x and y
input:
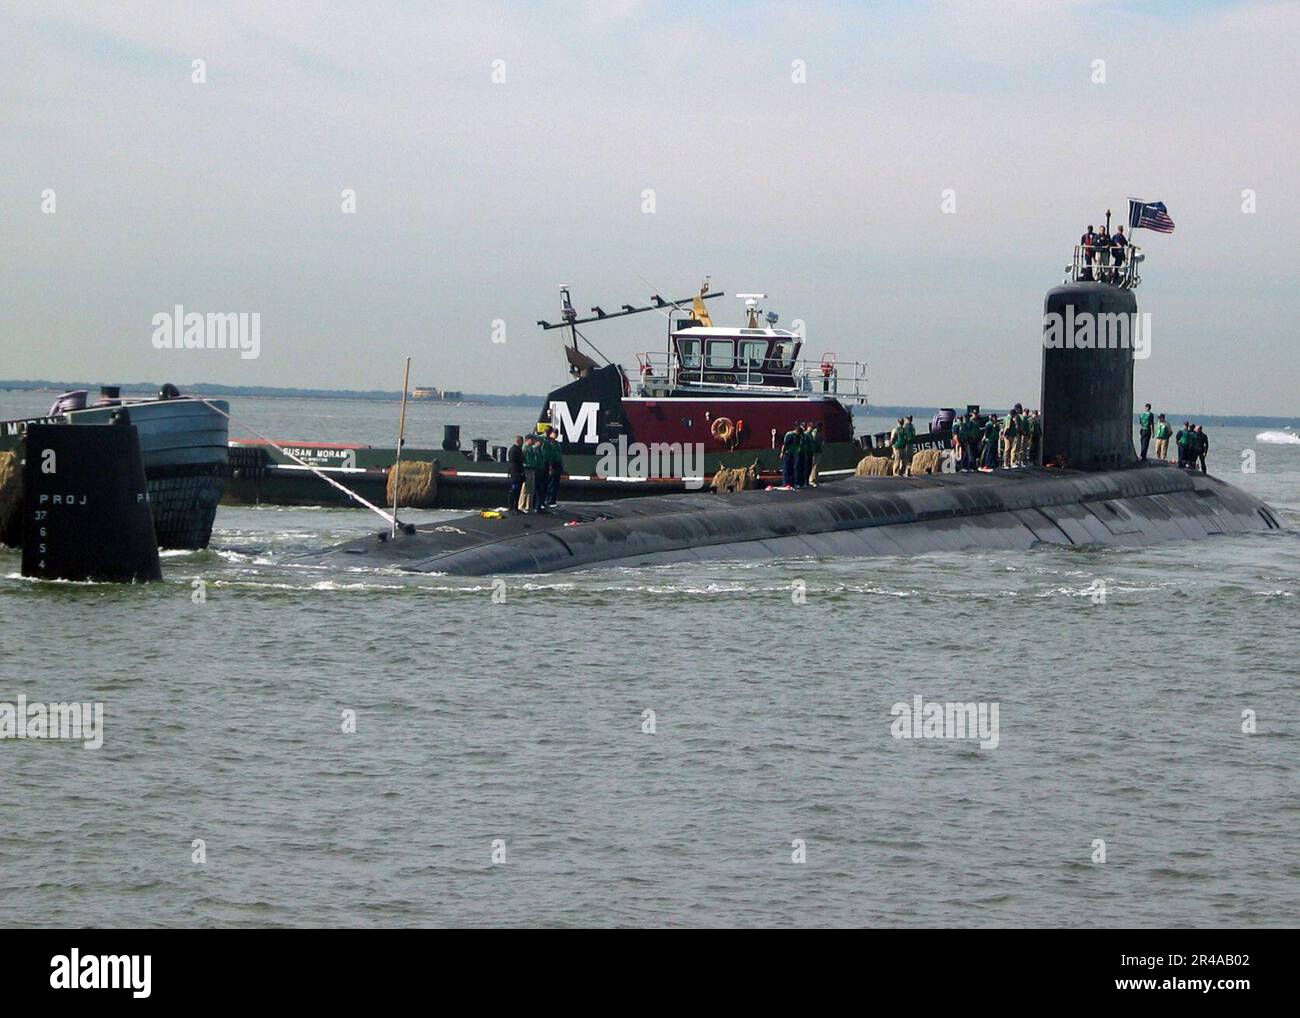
{"x": 434, "y": 393}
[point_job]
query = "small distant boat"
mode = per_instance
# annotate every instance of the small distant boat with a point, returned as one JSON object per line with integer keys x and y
{"x": 1287, "y": 437}
{"x": 184, "y": 444}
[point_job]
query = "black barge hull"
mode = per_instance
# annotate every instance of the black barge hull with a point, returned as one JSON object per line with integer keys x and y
{"x": 183, "y": 442}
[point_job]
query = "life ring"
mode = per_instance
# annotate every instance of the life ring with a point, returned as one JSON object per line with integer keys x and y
{"x": 723, "y": 430}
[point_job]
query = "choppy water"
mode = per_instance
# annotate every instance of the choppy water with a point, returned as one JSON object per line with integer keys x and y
{"x": 522, "y": 721}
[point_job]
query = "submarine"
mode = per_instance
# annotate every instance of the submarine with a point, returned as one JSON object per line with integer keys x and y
{"x": 1086, "y": 486}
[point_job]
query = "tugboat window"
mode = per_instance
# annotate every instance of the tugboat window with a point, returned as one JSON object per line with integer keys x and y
{"x": 751, "y": 353}
{"x": 689, "y": 350}
{"x": 783, "y": 354}
{"x": 722, "y": 353}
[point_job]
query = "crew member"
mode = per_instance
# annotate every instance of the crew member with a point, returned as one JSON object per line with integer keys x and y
{"x": 815, "y": 433}
{"x": 1146, "y": 420}
{"x": 992, "y": 432}
{"x": 897, "y": 440}
{"x": 1181, "y": 440}
{"x": 528, "y": 500}
{"x": 804, "y": 461}
{"x": 1118, "y": 255}
{"x": 1202, "y": 445}
{"x": 789, "y": 458}
{"x": 1088, "y": 242}
{"x": 515, "y": 463}
{"x": 908, "y": 449}
{"x": 960, "y": 440}
{"x": 555, "y": 466}
{"x": 1035, "y": 437}
{"x": 1163, "y": 433}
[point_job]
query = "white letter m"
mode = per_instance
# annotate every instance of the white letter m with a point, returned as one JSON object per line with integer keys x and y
{"x": 571, "y": 430}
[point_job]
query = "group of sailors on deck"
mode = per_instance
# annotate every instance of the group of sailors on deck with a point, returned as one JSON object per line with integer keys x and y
{"x": 801, "y": 453}
{"x": 1011, "y": 441}
{"x": 536, "y": 463}
{"x": 1192, "y": 441}
{"x": 1103, "y": 255}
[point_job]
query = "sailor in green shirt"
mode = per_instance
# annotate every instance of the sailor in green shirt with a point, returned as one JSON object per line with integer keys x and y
{"x": 990, "y": 451}
{"x": 528, "y": 501}
{"x": 898, "y": 442}
{"x": 907, "y": 449}
{"x": 1163, "y": 433}
{"x": 803, "y": 457}
{"x": 1186, "y": 439}
{"x": 959, "y": 444}
{"x": 1145, "y": 420}
{"x": 1035, "y": 426}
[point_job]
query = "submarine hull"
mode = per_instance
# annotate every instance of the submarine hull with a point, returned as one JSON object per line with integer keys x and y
{"x": 866, "y": 516}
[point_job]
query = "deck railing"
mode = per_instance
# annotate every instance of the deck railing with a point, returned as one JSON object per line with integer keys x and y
{"x": 1093, "y": 264}
{"x": 832, "y": 377}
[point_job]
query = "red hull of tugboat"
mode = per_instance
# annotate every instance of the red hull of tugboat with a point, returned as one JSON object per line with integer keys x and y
{"x": 761, "y": 421}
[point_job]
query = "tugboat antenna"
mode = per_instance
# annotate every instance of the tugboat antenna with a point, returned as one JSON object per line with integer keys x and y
{"x": 751, "y": 306}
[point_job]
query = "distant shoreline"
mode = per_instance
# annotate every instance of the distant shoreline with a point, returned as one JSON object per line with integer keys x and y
{"x": 269, "y": 392}
{"x": 528, "y": 400}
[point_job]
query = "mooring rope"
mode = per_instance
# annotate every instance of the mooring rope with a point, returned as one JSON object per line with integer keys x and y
{"x": 392, "y": 520}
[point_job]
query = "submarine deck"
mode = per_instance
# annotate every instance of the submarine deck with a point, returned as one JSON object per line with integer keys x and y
{"x": 860, "y": 516}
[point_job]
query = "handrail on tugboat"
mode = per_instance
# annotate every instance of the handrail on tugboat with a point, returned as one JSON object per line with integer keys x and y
{"x": 823, "y": 376}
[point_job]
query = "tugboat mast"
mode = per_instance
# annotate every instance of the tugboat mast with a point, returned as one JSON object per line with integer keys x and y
{"x": 579, "y": 361}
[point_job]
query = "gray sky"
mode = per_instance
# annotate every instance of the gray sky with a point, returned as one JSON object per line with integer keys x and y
{"x": 475, "y": 198}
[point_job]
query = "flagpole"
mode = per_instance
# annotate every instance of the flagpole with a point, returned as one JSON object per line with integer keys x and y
{"x": 401, "y": 441}
{"x": 1110, "y": 256}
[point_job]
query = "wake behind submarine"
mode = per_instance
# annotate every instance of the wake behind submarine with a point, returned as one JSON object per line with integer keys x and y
{"x": 1093, "y": 491}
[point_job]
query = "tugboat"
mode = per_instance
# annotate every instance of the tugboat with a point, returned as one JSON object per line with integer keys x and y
{"x": 183, "y": 442}
{"x": 731, "y": 392}
{"x": 716, "y": 397}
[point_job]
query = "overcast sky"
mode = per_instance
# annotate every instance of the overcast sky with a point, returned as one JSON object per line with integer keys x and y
{"x": 475, "y": 197}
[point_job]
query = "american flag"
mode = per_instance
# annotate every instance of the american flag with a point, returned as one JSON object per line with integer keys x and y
{"x": 1150, "y": 215}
